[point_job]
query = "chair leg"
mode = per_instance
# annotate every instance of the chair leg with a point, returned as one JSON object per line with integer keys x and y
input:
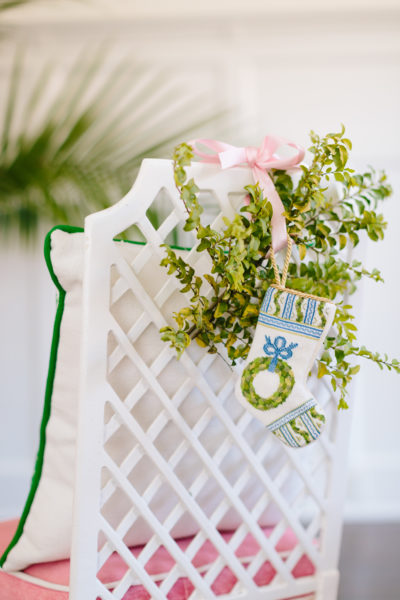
{"x": 328, "y": 585}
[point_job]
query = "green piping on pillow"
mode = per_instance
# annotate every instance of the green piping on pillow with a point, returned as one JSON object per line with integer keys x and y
{"x": 49, "y": 383}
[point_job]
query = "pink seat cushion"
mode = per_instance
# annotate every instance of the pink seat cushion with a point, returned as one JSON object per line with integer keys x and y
{"x": 57, "y": 572}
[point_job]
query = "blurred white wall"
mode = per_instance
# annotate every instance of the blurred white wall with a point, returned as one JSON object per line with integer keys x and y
{"x": 286, "y": 70}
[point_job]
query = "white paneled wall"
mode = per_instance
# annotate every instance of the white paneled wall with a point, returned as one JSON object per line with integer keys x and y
{"x": 284, "y": 73}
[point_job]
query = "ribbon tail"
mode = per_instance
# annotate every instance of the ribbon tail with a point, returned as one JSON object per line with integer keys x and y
{"x": 273, "y": 364}
{"x": 278, "y": 221}
{"x": 217, "y": 148}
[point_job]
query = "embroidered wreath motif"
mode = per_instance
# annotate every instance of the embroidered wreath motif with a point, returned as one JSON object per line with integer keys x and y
{"x": 286, "y": 383}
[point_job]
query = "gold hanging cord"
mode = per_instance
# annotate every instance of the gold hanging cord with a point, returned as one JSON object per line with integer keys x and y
{"x": 280, "y": 281}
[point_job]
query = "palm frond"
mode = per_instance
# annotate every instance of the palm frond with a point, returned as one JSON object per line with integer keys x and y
{"x": 72, "y": 151}
{"x": 7, "y": 4}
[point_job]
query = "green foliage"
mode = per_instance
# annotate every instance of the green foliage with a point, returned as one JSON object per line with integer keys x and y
{"x": 225, "y": 302}
{"x": 64, "y": 155}
{"x": 237, "y": 257}
{"x": 322, "y": 220}
{"x": 336, "y": 361}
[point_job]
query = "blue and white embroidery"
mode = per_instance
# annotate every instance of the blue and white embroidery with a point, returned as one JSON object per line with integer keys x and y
{"x": 278, "y": 349}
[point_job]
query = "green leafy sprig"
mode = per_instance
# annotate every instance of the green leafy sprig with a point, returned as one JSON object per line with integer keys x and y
{"x": 223, "y": 304}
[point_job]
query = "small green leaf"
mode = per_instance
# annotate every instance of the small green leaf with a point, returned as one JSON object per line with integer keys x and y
{"x": 302, "y": 251}
{"x": 251, "y": 310}
{"x": 322, "y": 370}
{"x": 342, "y": 241}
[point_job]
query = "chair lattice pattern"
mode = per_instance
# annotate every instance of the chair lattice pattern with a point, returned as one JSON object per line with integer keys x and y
{"x": 180, "y": 454}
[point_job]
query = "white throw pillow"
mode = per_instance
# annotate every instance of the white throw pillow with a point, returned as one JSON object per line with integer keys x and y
{"x": 44, "y": 533}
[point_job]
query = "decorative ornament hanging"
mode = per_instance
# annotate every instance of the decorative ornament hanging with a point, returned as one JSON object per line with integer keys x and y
{"x": 290, "y": 331}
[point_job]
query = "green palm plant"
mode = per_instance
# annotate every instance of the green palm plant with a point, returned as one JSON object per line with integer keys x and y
{"x": 67, "y": 153}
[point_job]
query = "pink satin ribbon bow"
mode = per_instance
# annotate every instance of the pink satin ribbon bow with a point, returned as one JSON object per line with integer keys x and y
{"x": 260, "y": 160}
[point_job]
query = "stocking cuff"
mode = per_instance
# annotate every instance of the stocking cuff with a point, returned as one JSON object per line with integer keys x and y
{"x": 296, "y": 412}
{"x": 292, "y": 312}
{"x": 299, "y": 426}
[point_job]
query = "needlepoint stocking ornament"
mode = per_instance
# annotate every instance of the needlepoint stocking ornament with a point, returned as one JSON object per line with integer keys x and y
{"x": 290, "y": 331}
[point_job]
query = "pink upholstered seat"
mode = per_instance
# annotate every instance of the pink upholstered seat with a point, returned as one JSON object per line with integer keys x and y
{"x": 14, "y": 588}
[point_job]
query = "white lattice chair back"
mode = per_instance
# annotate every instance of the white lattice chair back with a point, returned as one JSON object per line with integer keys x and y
{"x": 193, "y": 461}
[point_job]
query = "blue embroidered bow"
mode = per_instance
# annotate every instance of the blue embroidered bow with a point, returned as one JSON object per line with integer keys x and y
{"x": 277, "y": 349}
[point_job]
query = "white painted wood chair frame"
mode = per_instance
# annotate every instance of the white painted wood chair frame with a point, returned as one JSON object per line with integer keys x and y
{"x": 320, "y": 468}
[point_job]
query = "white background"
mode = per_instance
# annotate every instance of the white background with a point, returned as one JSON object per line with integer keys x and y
{"x": 285, "y": 70}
